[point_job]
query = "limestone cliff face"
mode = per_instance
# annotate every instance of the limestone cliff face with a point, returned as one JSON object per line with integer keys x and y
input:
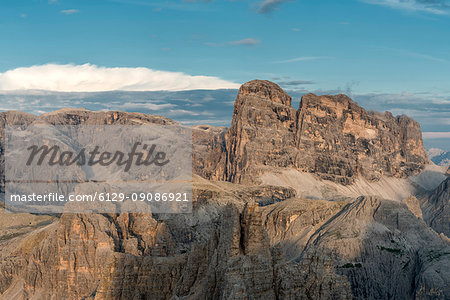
{"x": 229, "y": 248}
{"x": 71, "y": 117}
{"x": 436, "y": 208}
{"x": 86, "y": 117}
{"x": 261, "y": 132}
{"x": 330, "y": 136}
{"x": 10, "y": 118}
{"x": 71, "y": 261}
{"x": 221, "y": 251}
{"x": 380, "y": 250}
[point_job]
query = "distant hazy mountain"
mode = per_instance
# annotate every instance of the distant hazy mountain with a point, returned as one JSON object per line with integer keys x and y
{"x": 439, "y": 156}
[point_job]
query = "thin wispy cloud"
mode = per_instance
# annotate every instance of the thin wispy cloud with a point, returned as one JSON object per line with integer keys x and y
{"x": 295, "y": 82}
{"x": 436, "y": 135}
{"x": 69, "y": 11}
{"x": 214, "y": 121}
{"x": 130, "y": 106}
{"x": 301, "y": 58}
{"x": 170, "y": 5}
{"x": 426, "y": 57}
{"x": 268, "y": 6}
{"x": 246, "y": 42}
{"x": 437, "y": 7}
{"x": 92, "y": 78}
{"x": 195, "y": 1}
{"x": 416, "y": 55}
{"x": 212, "y": 44}
{"x": 243, "y": 42}
{"x": 184, "y": 112}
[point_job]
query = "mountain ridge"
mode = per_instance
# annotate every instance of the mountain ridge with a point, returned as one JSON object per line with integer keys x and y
{"x": 313, "y": 232}
{"x": 330, "y": 136}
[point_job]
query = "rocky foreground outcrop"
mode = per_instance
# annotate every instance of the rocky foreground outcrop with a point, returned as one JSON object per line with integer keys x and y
{"x": 245, "y": 240}
{"x": 230, "y": 248}
{"x": 330, "y": 136}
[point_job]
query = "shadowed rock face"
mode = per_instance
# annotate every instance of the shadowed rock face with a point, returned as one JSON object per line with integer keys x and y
{"x": 378, "y": 249}
{"x": 330, "y": 136}
{"x": 436, "y": 208}
{"x": 10, "y": 118}
{"x": 261, "y": 131}
{"x": 233, "y": 249}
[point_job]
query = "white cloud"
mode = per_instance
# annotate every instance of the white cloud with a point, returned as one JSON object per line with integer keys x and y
{"x": 70, "y": 11}
{"x": 246, "y": 42}
{"x": 436, "y": 135}
{"x": 437, "y": 7}
{"x": 142, "y": 105}
{"x": 214, "y": 122}
{"x": 301, "y": 58}
{"x": 92, "y": 78}
{"x": 242, "y": 42}
{"x": 416, "y": 55}
{"x": 184, "y": 112}
{"x": 268, "y": 6}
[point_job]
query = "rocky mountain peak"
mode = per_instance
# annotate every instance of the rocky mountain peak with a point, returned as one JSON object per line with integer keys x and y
{"x": 330, "y": 136}
{"x": 265, "y": 89}
{"x": 327, "y": 99}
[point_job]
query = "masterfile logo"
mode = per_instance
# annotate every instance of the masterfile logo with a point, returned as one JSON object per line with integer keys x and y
{"x": 55, "y": 156}
{"x": 107, "y": 168}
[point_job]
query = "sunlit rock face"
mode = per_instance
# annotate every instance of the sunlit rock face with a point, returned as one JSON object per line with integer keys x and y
{"x": 330, "y": 136}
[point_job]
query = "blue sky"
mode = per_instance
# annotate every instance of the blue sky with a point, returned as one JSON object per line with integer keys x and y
{"x": 396, "y": 48}
{"x": 332, "y": 43}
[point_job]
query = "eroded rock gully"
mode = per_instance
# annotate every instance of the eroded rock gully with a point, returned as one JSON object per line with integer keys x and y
{"x": 233, "y": 249}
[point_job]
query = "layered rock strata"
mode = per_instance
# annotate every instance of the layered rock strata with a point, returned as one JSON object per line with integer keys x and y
{"x": 330, "y": 136}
